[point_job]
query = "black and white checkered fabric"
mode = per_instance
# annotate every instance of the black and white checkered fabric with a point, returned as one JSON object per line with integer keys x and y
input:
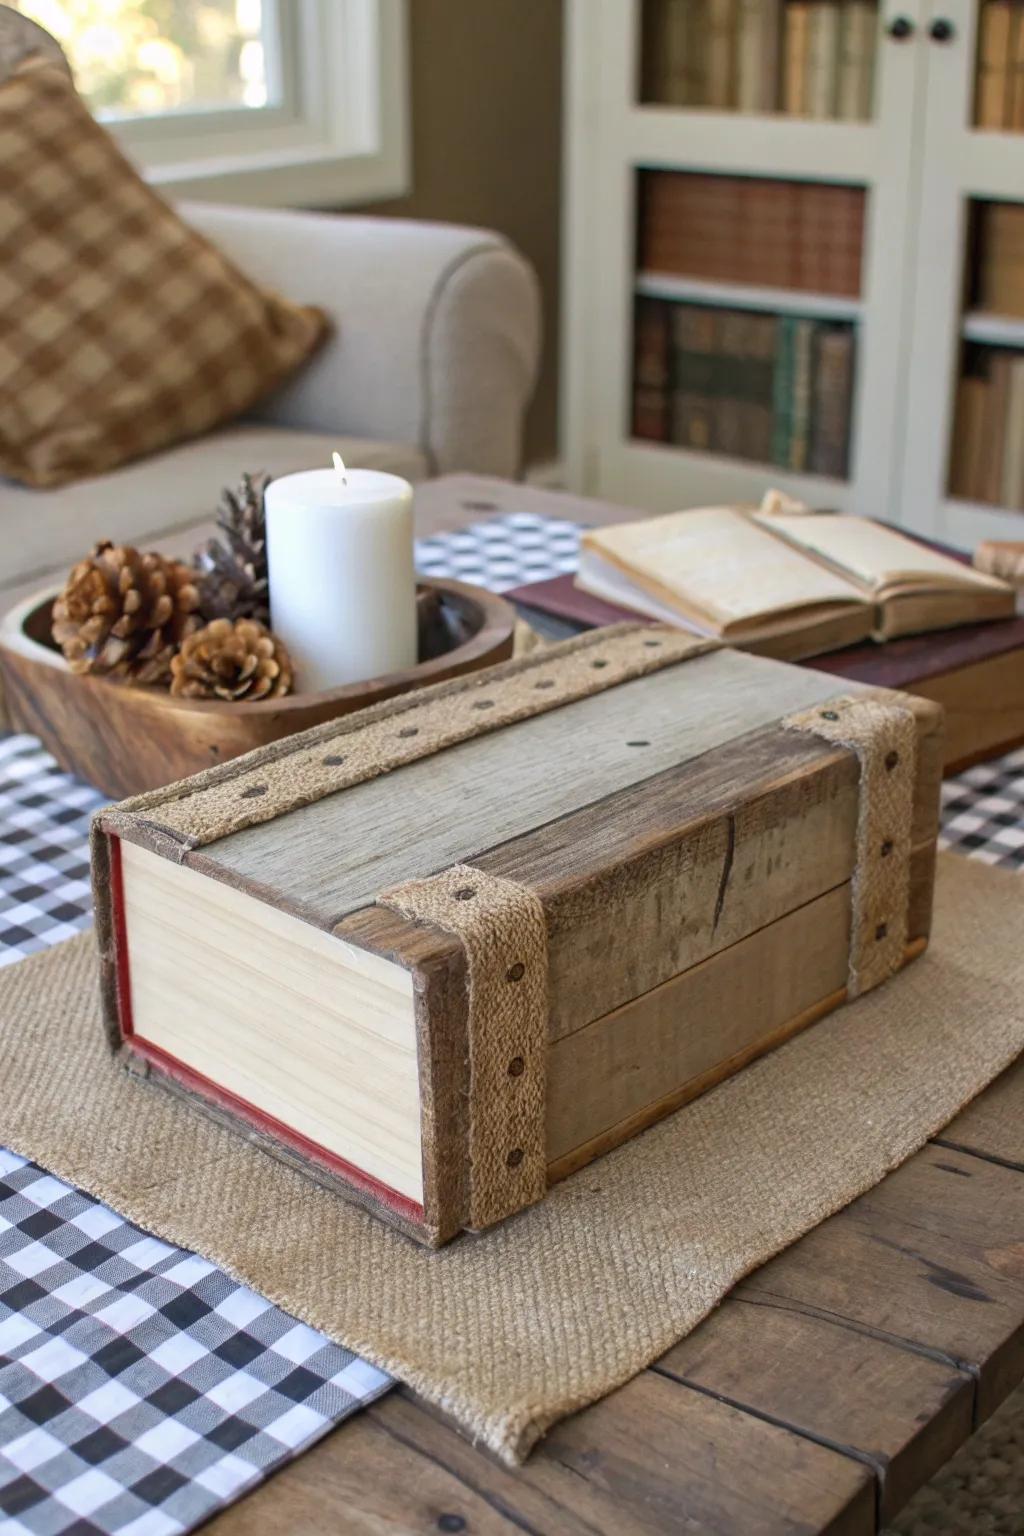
{"x": 140, "y": 1387}
{"x": 508, "y": 552}
{"x": 983, "y": 811}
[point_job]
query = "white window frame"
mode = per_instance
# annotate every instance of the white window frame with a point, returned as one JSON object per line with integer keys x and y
{"x": 336, "y": 134}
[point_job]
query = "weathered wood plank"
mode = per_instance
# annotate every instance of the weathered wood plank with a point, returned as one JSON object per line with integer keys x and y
{"x": 898, "y": 1412}
{"x": 698, "y": 1023}
{"x": 653, "y": 1457}
{"x": 993, "y": 1126}
{"x": 336, "y": 855}
{"x": 933, "y": 1256}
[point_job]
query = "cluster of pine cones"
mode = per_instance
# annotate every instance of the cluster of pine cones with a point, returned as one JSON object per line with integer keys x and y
{"x": 202, "y": 629}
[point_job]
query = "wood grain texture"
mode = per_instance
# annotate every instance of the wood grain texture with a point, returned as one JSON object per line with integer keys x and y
{"x": 445, "y": 808}
{"x": 993, "y": 1126}
{"x": 652, "y": 1458}
{"x": 984, "y": 706}
{"x": 901, "y": 1414}
{"x": 700, "y": 1021}
{"x": 933, "y": 1256}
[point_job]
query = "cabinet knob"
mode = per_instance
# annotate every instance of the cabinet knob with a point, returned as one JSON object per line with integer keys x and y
{"x": 900, "y": 28}
{"x": 941, "y": 30}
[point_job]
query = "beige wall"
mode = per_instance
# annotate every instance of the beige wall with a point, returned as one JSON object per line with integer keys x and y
{"x": 486, "y": 143}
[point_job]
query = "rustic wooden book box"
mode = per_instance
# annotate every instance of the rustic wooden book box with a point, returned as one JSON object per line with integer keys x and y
{"x": 444, "y": 952}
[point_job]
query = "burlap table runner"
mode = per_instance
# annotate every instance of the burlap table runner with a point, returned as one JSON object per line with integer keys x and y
{"x": 511, "y": 1330}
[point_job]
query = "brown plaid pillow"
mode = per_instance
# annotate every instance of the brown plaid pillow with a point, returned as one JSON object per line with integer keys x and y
{"x": 121, "y": 329}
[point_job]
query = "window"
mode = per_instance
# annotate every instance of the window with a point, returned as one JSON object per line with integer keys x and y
{"x": 297, "y": 102}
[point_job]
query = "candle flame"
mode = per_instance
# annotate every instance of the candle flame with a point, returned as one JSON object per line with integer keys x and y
{"x": 339, "y": 464}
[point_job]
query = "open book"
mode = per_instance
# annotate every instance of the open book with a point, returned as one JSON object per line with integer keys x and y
{"x": 787, "y": 584}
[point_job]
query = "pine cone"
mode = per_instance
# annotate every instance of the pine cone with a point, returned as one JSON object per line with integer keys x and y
{"x": 123, "y": 614}
{"x": 234, "y": 568}
{"x": 238, "y": 660}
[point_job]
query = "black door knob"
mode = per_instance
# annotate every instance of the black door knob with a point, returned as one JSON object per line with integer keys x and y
{"x": 941, "y": 30}
{"x": 901, "y": 27}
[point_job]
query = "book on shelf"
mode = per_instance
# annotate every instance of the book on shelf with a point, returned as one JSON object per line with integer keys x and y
{"x": 806, "y": 57}
{"x": 746, "y": 384}
{"x": 821, "y": 64}
{"x": 987, "y": 450}
{"x": 784, "y": 584}
{"x": 999, "y": 273}
{"x": 858, "y": 34}
{"x": 993, "y": 97}
{"x": 751, "y": 229}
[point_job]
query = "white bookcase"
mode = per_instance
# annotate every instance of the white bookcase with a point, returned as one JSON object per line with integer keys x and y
{"x": 920, "y": 163}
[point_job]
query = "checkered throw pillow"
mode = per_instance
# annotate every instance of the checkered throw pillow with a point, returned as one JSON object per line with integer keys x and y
{"x": 124, "y": 330}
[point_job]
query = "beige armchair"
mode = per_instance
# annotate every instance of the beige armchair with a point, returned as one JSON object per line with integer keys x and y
{"x": 429, "y": 368}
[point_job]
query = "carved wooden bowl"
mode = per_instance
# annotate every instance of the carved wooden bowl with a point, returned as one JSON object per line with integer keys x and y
{"x": 124, "y": 740}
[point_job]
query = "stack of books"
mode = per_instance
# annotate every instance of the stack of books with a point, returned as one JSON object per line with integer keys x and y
{"x": 749, "y": 229}
{"x": 999, "y": 79}
{"x": 775, "y": 389}
{"x": 813, "y": 58}
{"x": 999, "y": 258}
{"x": 987, "y": 459}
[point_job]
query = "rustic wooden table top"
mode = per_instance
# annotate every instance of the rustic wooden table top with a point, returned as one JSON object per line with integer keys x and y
{"x": 825, "y": 1390}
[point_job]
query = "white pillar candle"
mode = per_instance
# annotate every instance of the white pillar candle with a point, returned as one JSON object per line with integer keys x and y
{"x": 340, "y": 565}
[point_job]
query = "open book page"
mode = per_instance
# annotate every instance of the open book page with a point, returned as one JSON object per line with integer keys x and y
{"x": 876, "y": 556}
{"x": 717, "y": 564}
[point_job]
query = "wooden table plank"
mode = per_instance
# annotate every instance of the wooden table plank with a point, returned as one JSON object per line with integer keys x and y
{"x": 653, "y": 1457}
{"x": 900, "y": 1413}
{"x": 993, "y": 1126}
{"x": 933, "y": 1257}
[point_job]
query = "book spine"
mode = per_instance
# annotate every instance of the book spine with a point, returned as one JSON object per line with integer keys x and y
{"x": 794, "y": 74}
{"x": 721, "y": 54}
{"x": 822, "y": 59}
{"x": 676, "y": 53}
{"x": 782, "y": 394}
{"x": 761, "y": 342}
{"x": 993, "y": 69}
{"x": 694, "y": 344}
{"x": 973, "y": 436}
{"x": 995, "y": 427}
{"x": 651, "y": 370}
{"x": 1016, "y": 108}
{"x": 757, "y": 56}
{"x": 800, "y": 419}
{"x": 832, "y": 389}
{"x": 1012, "y": 490}
{"x": 858, "y": 27}
{"x": 728, "y": 435}
{"x": 1001, "y": 259}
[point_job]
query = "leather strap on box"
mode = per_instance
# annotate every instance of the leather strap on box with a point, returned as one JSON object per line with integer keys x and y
{"x": 502, "y": 930}
{"x": 884, "y": 737}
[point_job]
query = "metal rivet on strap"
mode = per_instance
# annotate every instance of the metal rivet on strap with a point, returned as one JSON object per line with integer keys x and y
{"x": 598, "y": 664}
{"x": 516, "y": 972}
{"x": 409, "y": 730}
{"x": 891, "y": 759}
{"x": 652, "y": 645}
{"x": 333, "y": 761}
{"x": 545, "y": 682}
{"x": 515, "y": 1157}
{"x": 464, "y": 893}
{"x": 484, "y": 704}
{"x": 516, "y": 1067}
{"x": 252, "y": 792}
{"x": 886, "y": 848}
{"x": 881, "y": 931}
{"x": 829, "y": 714}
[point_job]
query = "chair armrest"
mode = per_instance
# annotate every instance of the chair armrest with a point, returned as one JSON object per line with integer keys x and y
{"x": 436, "y": 329}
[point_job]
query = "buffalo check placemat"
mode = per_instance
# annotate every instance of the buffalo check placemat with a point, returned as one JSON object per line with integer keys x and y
{"x": 141, "y": 1388}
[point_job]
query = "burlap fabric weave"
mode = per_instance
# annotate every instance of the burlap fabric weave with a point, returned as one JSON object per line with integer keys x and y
{"x": 513, "y": 1329}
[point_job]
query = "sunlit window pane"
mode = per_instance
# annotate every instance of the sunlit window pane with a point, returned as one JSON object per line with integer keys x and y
{"x": 136, "y": 58}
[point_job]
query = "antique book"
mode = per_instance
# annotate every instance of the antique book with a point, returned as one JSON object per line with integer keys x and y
{"x": 992, "y": 90}
{"x": 796, "y": 39}
{"x": 442, "y": 953}
{"x": 788, "y": 585}
{"x": 822, "y": 59}
{"x": 858, "y": 35}
{"x": 757, "y": 56}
